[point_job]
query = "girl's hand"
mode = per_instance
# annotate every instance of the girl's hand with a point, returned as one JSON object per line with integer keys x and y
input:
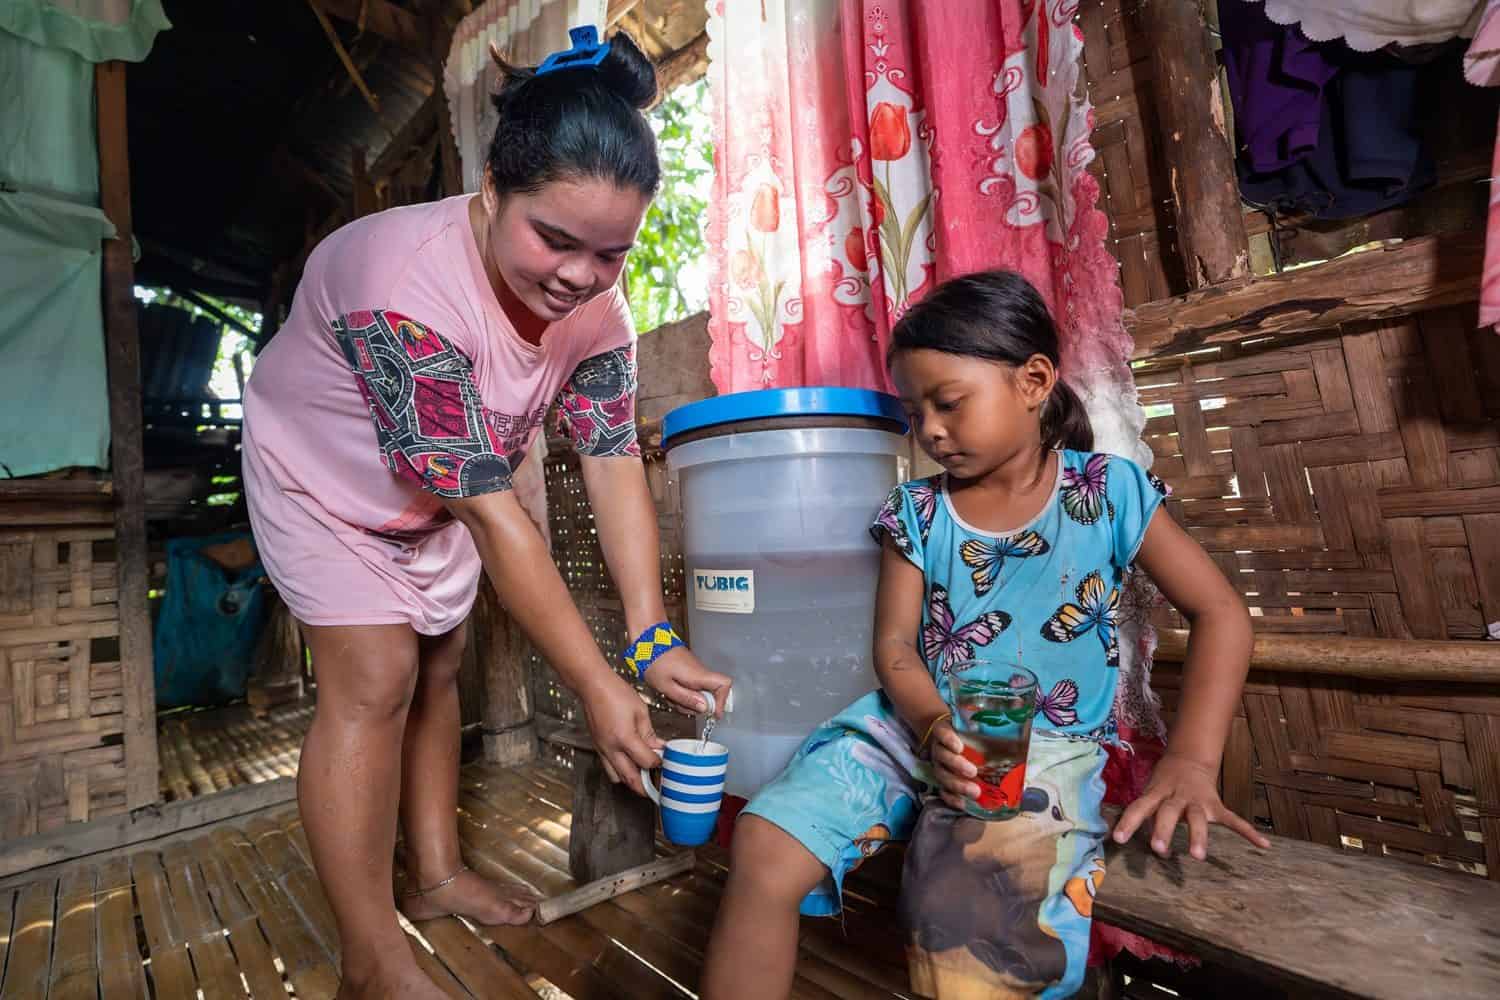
{"x": 679, "y": 675}
{"x": 1183, "y": 788}
{"x": 621, "y": 727}
{"x": 955, "y": 774}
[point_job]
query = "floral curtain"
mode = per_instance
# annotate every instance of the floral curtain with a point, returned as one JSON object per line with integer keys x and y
{"x": 869, "y": 149}
{"x": 862, "y": 156}
{"x": 525, "y": 32}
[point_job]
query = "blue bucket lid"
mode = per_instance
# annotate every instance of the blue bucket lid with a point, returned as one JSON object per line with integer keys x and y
{"x": 763, "y": 404}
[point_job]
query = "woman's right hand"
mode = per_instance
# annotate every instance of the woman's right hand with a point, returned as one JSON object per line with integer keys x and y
{"x": 620, "y": 724}
{"x": 955, "y": 774}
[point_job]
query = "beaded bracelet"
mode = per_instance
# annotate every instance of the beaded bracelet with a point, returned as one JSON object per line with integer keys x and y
{"x": 652, "y": 644}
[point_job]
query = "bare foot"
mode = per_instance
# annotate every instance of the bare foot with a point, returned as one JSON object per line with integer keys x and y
{"x": 402, "y": 983}
{"x": 476, "y": 897}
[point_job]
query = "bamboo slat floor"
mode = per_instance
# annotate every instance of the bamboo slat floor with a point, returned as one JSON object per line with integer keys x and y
{"x": 237, "y": 910}
{"x": 216, "y": 749}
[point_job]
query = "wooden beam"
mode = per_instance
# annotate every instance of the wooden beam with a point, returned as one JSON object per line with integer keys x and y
{"x": 1399, "y": 280}
{"x": 77, "y": 840}
{"x": 343, "y": 54}
{"x": 366, "y": 197}
{"x": 1198, "y": 153}
{"x": 384, "y": 19}
{"x": 127, "y": 453}
{"x": 680, "y": 66}
{"x": 217, "y": 313}
{"x": 1432, "y": 661}
{"x": 617, "y": 9}
{"x": 98, "y": 491}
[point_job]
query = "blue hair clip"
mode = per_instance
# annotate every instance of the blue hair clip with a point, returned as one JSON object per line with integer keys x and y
{"x": 587, "y": 50}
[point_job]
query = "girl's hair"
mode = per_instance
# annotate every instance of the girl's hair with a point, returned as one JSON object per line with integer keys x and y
{"x": 996, "y": 316}
{"x": 580, "y": 122}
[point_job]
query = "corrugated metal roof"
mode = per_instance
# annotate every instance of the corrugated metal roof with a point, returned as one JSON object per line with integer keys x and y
{"x": 178, "y": 351}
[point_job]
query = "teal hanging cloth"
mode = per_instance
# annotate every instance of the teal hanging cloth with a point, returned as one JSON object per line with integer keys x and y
{"x": 210, "y": 620}
{"x": 54, "y": 404}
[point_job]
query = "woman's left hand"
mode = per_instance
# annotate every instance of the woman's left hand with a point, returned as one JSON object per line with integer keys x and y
{"x": 680, "y": 676}
{"x": 1183, "y": 789}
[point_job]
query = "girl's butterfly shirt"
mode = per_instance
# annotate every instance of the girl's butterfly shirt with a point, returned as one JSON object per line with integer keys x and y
{"x": 1044, "y": 595}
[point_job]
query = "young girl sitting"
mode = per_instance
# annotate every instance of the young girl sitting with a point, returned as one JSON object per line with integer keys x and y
{"x": 1016, "y": 554}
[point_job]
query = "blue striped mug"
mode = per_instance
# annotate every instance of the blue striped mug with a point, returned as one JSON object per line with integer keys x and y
{"x": 692, "y": 788}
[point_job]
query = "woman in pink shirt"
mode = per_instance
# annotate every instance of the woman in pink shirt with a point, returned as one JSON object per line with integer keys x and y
{"x": 423, "y": 349}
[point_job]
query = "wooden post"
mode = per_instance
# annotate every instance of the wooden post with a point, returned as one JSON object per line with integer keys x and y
{"x": 366, "y": 198}
{"x": 508, "y": 722}
{"x": 277, "y": 677}
{"x": 449, "y": 161}
{"x": 613, "y": 828}
{"x": 1199, "y": 155}
{"x": 126, "y": 447}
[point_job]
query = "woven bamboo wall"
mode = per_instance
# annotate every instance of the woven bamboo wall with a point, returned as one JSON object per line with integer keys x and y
{"x": 61, "y": 713}
{"x": 1410, "y": 771}
{"x": 575, "y": 548}
{"x": 1348, "y": 482}
{"x": 674, "y": 370}
{"x": 1134, "y": 190}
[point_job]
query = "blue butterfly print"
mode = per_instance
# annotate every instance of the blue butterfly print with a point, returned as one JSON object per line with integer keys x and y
{"x": 944, "y": 645}
{"x": 1097, "y": 610}
{"x": 986, "y": 557}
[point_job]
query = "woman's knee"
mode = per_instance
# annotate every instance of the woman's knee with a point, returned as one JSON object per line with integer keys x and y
{"x": 771, "y": 862}
{"x": 442, "y": 656}
{"x": 365, "y": 677}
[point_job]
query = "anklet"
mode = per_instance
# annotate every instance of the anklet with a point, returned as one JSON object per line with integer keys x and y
{"x": 435, "y": 888}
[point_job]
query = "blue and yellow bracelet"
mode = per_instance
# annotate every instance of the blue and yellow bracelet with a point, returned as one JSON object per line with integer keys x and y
{"x": 653, "y": 643}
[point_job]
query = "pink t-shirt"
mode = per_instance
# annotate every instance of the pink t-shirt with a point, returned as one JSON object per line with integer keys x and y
{"x": 396, "y": 381}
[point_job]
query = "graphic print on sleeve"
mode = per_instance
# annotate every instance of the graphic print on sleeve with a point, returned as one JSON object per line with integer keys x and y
{"x": 433, "y": 428}
{"x": 597, "y": 405}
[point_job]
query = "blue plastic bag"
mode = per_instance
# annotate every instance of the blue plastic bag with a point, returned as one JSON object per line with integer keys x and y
{"x": 209, "y": 624}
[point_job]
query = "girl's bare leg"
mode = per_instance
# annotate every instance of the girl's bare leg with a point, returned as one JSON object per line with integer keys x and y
{"x": 753, "y": 950}
{"x": 348, "y": 783}
{"x": 429, "y": 800}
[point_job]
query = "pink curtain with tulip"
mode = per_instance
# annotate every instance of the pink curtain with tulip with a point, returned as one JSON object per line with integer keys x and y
{"x": 866, "y": 150}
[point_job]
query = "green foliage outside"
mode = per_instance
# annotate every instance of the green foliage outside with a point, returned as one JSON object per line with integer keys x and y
{"x": 667, "y": 272}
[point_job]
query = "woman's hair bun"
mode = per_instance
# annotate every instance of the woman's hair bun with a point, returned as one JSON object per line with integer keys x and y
{"x": 576, "y": 121}
{"x": 628, "y": 72}
{"x": 625, "y": 72}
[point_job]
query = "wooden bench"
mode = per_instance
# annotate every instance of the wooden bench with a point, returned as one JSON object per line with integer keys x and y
{"x": 1299, "y": 920}
{"x": 1305, "y": 920}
